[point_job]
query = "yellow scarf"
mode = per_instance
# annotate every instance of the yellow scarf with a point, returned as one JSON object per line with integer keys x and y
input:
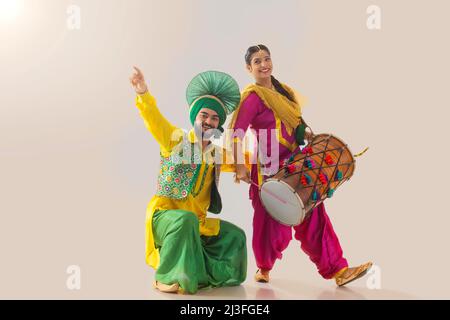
{"x": 287, "y": 111}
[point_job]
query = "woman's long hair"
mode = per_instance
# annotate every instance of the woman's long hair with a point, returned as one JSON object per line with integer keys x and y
{"x": 248, "y": 59}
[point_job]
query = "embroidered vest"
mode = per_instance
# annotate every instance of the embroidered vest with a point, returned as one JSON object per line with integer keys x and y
{"x": 179, "y": 173}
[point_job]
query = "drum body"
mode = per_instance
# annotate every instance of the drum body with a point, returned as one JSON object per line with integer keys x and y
{"x": 310, "y": 176}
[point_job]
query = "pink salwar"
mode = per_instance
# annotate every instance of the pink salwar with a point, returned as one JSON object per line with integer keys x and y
{"x": 270, "y": 238}
{"x": 316, "y": 234}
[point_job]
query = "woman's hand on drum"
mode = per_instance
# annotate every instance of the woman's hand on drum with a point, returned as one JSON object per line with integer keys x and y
{"x": 242, "y": 173}
{"x": 138, "y": 82}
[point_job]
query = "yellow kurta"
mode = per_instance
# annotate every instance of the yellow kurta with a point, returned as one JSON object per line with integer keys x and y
{"x": 168, "y": 136}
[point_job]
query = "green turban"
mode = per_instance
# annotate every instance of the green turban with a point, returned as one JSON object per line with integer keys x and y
{"x": 210, "y": 103}
{"x": 214, "y": 90}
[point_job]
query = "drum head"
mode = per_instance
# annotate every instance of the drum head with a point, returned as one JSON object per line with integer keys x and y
{"x": 282, "y": 202}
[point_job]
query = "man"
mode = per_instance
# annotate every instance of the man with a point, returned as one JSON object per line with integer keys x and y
{"x": 189, "y": 250}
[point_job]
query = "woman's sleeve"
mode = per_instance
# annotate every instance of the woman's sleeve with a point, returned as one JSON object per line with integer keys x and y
{"x": 166, "y": 134}
{"x": 248, "y": 110}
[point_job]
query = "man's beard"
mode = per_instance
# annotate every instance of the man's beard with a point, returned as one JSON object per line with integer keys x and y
{"x": 204, "y": 132}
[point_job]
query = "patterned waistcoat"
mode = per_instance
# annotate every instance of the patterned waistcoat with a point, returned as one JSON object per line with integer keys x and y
{"x": 179, "y": 173}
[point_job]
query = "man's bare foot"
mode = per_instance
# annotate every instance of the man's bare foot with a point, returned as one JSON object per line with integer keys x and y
{"x": 348, "y": 275}
{"x": 167, "y": 288}
{"x": 262, "y": 275}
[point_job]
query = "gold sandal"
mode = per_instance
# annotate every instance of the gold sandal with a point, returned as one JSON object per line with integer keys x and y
{"x": 172, "y": 288}
{"x": 359, "y": 272}
{"x": 259, "y": 277}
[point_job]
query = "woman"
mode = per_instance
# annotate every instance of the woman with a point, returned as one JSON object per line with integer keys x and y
{"x": 271, "y": 105}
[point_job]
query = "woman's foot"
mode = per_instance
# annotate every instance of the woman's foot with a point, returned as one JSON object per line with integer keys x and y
{"x": 347, "y": 275}
{"x": 167, "y": 288}
{"x": 262, "y": 275}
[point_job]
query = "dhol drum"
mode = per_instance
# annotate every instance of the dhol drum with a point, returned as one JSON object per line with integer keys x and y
{"x": 307, "y": 178}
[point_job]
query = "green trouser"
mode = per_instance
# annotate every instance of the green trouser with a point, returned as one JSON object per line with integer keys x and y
{"x": 194, "y": 261}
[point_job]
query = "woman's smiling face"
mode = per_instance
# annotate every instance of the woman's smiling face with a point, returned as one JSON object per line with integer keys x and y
{"x": 260, "y": 65}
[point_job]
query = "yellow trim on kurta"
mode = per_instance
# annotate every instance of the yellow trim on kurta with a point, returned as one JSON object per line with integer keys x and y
{"x": 258, "y": 168}
{"x": 280, "y": 138}
{"x": 167, "y": 135}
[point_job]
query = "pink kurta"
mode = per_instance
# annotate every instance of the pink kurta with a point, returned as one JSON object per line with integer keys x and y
{"x": 270, "y": 238}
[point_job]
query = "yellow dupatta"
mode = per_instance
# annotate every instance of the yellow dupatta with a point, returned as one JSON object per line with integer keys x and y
{"x": 287, "y": 111}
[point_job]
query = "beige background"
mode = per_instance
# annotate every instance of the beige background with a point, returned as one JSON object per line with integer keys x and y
{"x": 78, "y": 166}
